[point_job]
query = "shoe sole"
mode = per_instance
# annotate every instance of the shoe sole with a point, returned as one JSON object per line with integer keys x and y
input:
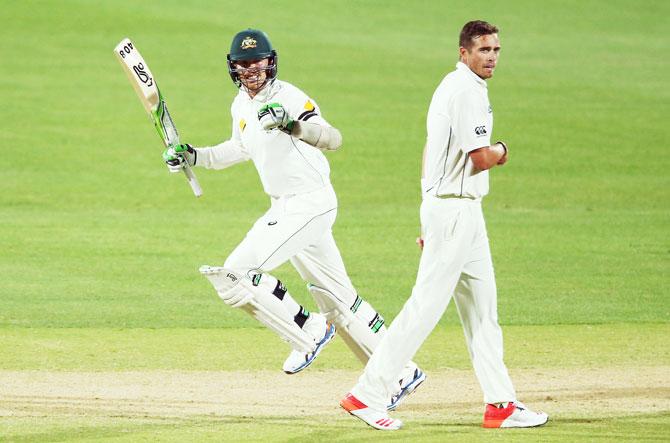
{"x": 372, "y": 425}
{"x": 330, "y": 334}
{"x": 521, "y": 425}
{"x": 407, "y": 390}
{"x": 497, "y": 424}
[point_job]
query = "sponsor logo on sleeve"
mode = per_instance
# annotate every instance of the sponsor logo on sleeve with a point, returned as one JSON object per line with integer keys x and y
{"x": 480, "y": 130}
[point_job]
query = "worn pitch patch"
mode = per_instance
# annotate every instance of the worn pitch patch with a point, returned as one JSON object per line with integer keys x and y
{"x": 447, "y": 394}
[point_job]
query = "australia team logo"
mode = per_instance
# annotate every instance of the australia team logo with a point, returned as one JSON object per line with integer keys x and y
{"x": 248, "y": 43}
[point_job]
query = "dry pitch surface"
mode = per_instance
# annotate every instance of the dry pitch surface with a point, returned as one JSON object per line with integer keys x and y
{"x": 447, "y": 396}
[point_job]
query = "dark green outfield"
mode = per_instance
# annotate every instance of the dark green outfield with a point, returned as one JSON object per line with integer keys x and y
{"x": 100, "y": 246}
{"x": 95, "y": 233}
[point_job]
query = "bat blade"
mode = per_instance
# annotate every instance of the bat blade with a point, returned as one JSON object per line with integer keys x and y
{"x": 139, "y": 74}
{"x": 145, "y": 86}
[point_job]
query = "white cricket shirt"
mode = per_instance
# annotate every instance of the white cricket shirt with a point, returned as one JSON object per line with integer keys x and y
{"x": 460, "y": 120}
{"x": 285, "y": 164}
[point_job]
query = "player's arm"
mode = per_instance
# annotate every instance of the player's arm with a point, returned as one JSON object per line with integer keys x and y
{"x": 489, "y": 156}
{"x": 316, "y": 133}
{"x": 220, "y": 156}
{"x": 472, "y": 123}
{"x": 322, "y": 137}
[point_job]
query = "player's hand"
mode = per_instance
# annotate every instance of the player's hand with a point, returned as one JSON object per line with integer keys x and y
{"x": 274, "y": 116}
{"x": 175, "y": 157}
{"x": 419, "y": 241}
{"x": 503, "y": 159}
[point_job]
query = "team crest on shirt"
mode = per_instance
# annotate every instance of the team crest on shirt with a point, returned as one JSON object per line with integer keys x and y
{"x": 248, "y": 43}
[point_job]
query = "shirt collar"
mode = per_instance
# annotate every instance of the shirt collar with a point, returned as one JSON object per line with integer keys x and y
{"x": 464, "y": 68}
{"x": 265, "y": 94}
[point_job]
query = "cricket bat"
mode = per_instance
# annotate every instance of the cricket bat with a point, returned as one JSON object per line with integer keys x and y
{"x": 145, "y": 86}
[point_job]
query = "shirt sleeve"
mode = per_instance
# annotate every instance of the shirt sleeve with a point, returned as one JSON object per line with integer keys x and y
{"x": 471, "y": 121}
{"x": 224, "y": 154}
{"x": 438, "y": 123}
{"x": 304, "y": 108}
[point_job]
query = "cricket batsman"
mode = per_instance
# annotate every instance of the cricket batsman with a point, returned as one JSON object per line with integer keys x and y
{"x": 281, "y": 129}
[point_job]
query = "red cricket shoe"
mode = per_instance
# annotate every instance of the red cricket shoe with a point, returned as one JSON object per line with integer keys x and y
{"x": 514, "y": 415}
{"x": 377, "y": 419}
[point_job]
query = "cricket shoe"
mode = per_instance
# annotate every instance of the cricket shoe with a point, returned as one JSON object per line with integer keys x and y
{"x": 316, "y": 324}
{"x": 514, "y": 415}
{"x": 408, "y": 384}
{"x": 377, "y": 419}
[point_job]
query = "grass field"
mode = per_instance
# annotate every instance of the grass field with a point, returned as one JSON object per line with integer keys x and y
{"x": 107, "y": 331}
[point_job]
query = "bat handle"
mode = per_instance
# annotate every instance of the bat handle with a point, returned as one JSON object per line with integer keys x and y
{"x": 192, "y": 180}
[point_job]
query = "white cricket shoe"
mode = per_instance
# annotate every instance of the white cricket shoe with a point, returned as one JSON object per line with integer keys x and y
{"x": 317, "y": 326}
{"x": 408, "y": 384}
{"x": 514, "y": 415}
{"x": 377, "y": 419}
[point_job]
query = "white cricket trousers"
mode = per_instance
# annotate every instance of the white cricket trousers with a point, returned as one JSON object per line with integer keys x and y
{"x": 297, "y": 228}
{"x": 456, "y": 262}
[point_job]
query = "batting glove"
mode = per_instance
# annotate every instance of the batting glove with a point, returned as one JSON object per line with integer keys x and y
{"x": 175, "y": 157}
{"x": 275, "y": 116}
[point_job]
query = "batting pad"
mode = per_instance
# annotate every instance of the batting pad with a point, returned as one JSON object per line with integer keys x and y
{"x": 359, "y": 325}
{"x": 260, "y": 303}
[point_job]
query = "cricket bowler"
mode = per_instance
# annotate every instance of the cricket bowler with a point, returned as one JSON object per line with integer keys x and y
{"x": 281, "y": 129}
{"x": 456, "y": 260}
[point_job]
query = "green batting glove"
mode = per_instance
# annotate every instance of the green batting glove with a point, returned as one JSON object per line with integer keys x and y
{"x": 175, "y": 156}
{"x": 274, "y": 116}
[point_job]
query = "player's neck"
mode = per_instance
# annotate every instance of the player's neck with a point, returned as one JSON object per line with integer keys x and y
{"x": 261, "y": 93}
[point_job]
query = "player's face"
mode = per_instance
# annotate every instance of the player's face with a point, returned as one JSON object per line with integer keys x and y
{"x": 482, "y": 57}
{"x": 252, "y": 73}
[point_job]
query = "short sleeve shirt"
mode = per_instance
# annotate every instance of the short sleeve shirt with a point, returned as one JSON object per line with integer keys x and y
{"x": 460, "y": 120}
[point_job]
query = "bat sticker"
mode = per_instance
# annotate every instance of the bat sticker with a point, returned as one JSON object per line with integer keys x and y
{"x": 142, "y": 74}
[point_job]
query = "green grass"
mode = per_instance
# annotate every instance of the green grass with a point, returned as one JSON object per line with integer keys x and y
{"x": 648, "y": 427}
{"x": 99, "y": 245}
{"x": 96, "y": 349}
{"x": 94, "y": 228}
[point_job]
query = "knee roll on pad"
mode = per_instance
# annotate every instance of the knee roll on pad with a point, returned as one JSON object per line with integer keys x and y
{"x": 235, "y": 297}
{"x": 227, "y": 285}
